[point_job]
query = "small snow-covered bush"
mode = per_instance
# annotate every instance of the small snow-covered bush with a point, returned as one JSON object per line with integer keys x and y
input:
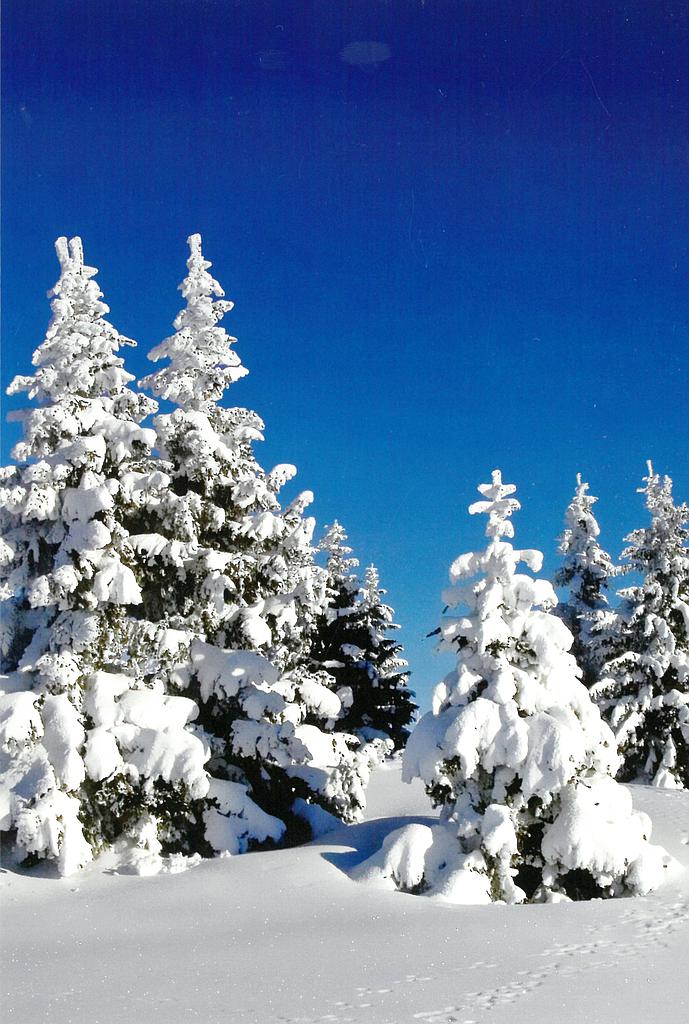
{"x": 514, "y": 751}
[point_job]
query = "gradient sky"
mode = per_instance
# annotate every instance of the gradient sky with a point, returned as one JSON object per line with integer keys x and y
{"x": 463, "y": 248}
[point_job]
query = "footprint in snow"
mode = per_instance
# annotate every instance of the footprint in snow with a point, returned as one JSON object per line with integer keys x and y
{"x": 566, "y": 960}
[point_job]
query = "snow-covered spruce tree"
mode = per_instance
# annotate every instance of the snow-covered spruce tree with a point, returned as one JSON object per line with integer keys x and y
{"x": 90, "y": 745}
{"x": 235, "y": 572}
{"x": 585, "y": 572}
{"x": 388, "y": 704}
{"x": 350, "y": 641}
{"x": 337, "y": 627}
{"x": 514, "y": 751}
{"x": 643, "y": 691}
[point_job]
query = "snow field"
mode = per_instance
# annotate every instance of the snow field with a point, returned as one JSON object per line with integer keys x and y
{"x": 286, "y": 937}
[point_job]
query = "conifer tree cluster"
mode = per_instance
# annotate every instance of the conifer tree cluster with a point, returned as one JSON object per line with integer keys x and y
{"x": 183, "y": 676}
{"x": 514, "y": 751}
{"x": 160, "y": 604}
{"x": 643, "y": 683}
{"x": 634, "y": 655}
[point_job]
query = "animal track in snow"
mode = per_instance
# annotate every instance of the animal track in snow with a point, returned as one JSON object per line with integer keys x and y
{"x": 666, "y": 920}
{"x": 651, "y": 923}
{"x": 482, "y": 1001}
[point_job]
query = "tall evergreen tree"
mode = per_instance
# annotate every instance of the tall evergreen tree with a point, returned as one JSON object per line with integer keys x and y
{"x": 514, "y": 751}
{"x": 335, "y": 629}
{"x": 644, "y": 687}
{"x": 390, "y": 703}
{"x": 351, "y": 641}
{"x": 235, "y": 572}
{"x": 90, "y": 744}
{"x": 585, "y": 571}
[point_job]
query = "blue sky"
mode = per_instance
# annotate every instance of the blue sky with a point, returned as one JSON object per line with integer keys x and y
{"x": 466, "y": 247}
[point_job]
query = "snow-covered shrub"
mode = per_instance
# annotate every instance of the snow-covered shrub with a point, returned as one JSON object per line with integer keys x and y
{"x": 234, "y": 571}
{"x": 643, "y": 690}
{"x": 585, "y": 573}
{"x": 89, "y": 742}
{"x": 514, "y": 751}
{"x": 351, "y": 642}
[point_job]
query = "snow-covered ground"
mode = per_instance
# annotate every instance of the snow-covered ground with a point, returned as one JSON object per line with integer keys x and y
{"x": 286, "y": 937}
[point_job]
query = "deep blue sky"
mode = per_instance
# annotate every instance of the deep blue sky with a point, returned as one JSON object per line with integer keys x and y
{"x": 473, "y": 253}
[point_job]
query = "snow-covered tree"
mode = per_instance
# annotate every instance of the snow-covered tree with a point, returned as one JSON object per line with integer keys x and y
{"x": 342, "y": 580}
{"x": 388, "y": 704}
{"x": 585, "y": 572}
{"x": 351, "y": 641}
{"x": 644, "y": 687}
{"x": 336, "y": 628}
{"x": 514, "y": 751}
{"x": 234, "y": 571}
{"x": 90, "y": 744}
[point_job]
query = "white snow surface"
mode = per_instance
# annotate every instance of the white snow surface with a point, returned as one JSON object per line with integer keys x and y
{"x": 287, "y": 937}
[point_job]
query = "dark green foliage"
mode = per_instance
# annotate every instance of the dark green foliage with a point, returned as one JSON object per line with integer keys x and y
{"x": 351, "y": 642}
{"x": 584, "y": 574}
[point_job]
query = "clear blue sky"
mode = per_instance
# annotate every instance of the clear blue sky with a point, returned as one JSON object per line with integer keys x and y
{"x": 473, "y": 253}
